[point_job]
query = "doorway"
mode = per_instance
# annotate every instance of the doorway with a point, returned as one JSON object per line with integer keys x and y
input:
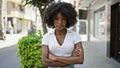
{"x": 115, "y": 31}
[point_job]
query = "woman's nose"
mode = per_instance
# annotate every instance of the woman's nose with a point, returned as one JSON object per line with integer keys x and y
{"x": 60, "y": 21}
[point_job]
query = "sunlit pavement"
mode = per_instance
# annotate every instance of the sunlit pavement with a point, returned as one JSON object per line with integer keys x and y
{"x": 95, "y": 56}
{"x": 11, "y": 39}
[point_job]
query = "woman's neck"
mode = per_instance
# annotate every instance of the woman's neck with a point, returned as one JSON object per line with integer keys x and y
{"x": 61, "y": 32}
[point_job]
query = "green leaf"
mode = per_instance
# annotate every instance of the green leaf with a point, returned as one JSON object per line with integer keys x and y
{"x": 29, "y": 51}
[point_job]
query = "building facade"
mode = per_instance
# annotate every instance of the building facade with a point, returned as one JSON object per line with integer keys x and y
{"x": 16, "y": 17}
{"x": 98, "y": 23}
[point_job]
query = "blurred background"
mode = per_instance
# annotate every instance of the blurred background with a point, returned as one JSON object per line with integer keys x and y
{"x": 98, "y": 24}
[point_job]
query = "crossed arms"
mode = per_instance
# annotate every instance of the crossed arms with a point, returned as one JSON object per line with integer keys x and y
{"x": 50, "y": 59}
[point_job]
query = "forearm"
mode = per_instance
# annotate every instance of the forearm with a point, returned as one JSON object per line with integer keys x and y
{"x": 69, "y": 60}
{"x": 49, "y": 62}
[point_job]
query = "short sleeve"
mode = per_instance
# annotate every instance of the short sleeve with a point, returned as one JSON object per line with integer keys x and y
{"x": 77, "y": 38}
{"x": 45, "y": 39}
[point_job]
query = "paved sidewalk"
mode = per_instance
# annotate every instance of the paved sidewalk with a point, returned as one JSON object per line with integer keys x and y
{"x": 11, "y": 39}
{"x": 95, "y": 56}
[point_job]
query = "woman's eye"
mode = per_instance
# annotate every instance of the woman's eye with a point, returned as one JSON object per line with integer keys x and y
{"x": 63, "y": 18}
{"x": 56, "y": 18}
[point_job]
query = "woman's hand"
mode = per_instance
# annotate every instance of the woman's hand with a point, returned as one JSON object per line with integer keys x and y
{"x": 48, "y": 62}
{"x": 77, "y": 52}
{"x": 52, "y": 57}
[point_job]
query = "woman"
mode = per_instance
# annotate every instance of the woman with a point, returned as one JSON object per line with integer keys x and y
{"x": 61, "y": 48}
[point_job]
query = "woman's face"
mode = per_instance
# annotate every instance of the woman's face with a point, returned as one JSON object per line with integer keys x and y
{"x": 60, "y": 22}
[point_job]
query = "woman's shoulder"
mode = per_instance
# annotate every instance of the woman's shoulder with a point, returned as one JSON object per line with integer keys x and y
{"x": 72, "y": 32}
{"x": 51, "y": 32}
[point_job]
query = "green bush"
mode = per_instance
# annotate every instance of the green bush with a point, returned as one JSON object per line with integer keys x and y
{"x": 29, "y": 51}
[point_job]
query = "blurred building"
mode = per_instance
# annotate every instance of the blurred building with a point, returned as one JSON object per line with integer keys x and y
{"x": 16, "y": 17}
{"x": 100, "y": 19}
{"x": 82, "y": 22}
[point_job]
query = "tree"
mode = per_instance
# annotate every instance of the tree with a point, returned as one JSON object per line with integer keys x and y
{"x": 41, "y": 5}
{"x": 59, "y": 0}
{"x": 0, "y": 11}
{"x": 1, "y": 29}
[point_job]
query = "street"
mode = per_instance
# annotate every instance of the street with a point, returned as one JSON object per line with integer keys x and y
{"x": 8, "y": 57}
{"x": 95, "y": 57}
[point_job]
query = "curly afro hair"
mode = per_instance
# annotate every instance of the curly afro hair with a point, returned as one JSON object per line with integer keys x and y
{"x": 66, "y": 9}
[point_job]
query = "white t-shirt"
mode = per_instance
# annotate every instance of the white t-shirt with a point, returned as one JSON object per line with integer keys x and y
{"x": 66, "y": 48}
